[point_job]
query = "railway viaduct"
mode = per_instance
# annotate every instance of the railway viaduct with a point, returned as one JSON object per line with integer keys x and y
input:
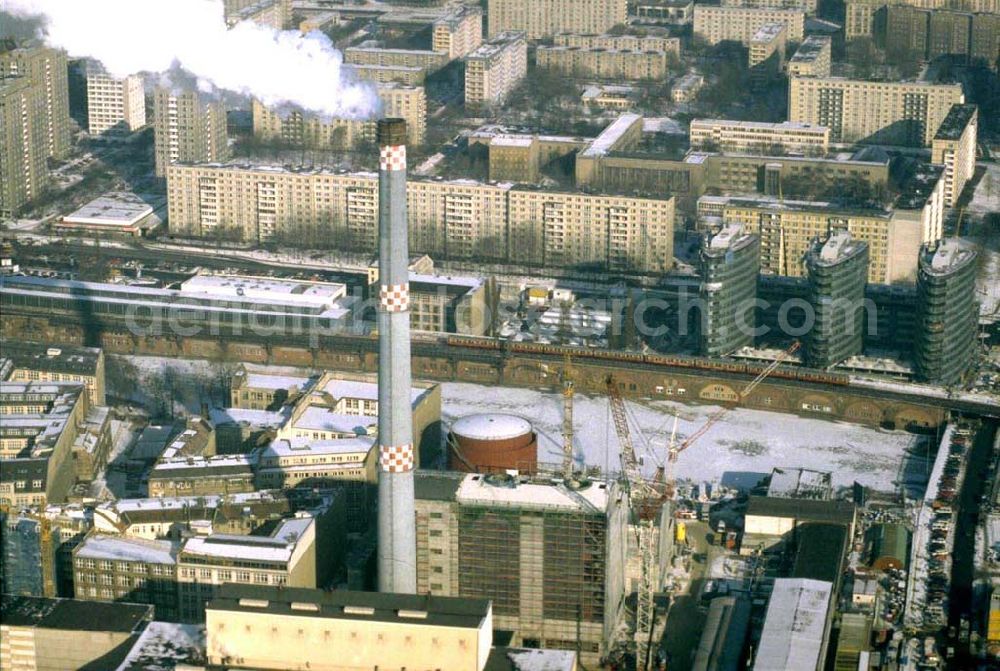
{"x": 435, "y": 360}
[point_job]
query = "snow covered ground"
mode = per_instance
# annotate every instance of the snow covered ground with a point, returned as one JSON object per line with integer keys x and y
{"x": 746, "y": 442}
{"x": 985, "y": 200}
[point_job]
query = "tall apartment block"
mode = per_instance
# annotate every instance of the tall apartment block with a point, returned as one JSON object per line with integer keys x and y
{"x": 751, "y": 137}
{"x": 728, "y": 263}
{"x": 187, "y": 129}
{"x": 552, "y": 560}
{"x": 310, "y": 130}
{"x": 954, "y": 147}
{"x": 458, "y": 33}
{"x": 544, "y": 18}
{"x": 501, "y": 222}
{"x": 766, "y": 57}
{"x": 495, "y": 68}
{"x": 414, "y": 58}
{"x": 272, "y": 13}
{"x": 812, "y": 58}
{"x": 805, "y": 5}
{"x": 945, "y": 342}
{"x": 739, "y": 24}
{"x": 670, "y": 45}
{"x": 24, "y": 147}
{"x": 115, "y": 107}
{"x": 47, "y": 70}
{"x": 899, "y": 113}
{"x": 837, "y": 270}
{"x": 787, "y": 229}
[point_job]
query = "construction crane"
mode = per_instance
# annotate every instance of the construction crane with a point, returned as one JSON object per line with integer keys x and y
{"x": 641, "y": 494}
{"x": 567, "y": 430}
{"x": 675, "y": 450}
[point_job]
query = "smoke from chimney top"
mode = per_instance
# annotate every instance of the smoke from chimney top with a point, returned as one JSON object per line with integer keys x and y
{"x": 157, "y": 36}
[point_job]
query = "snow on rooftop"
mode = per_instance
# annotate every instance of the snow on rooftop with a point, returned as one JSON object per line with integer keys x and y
{"x": 164, "y": 645}
{"x": 279, "y": 547}
{"x": 541, "y": 660}
{"x": 316, "y": 294}
{"x": 611, "y": 135}
{"x": 286, "y": 447}
{"x": 511, "y": 141}
{"x": 492, "y": 426}
{"x": 794, "y": 626}
{"x": 484, "y": 490}
{"x": 117, "y": 208}
{"x": 259, "y": 418}
{"x": 263, "y": 381}
{"x": 319, "y": 418}
{"x": 122, "y": 548}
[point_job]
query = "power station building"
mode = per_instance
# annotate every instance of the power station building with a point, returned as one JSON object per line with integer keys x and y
{"x": 837, "y": 270}
{"x": 730, "y": 262}
{"x": 945, "y": 343}
{"x": 551, "y": 559}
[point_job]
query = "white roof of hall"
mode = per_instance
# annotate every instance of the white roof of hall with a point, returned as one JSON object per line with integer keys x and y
{"x": 318, "y": 294}
{"x": 794, "y": 626}
{"x": 489, "y": 491}
{"x": 491, "y": 426}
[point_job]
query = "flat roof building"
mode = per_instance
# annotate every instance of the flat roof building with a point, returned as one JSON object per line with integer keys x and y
{"x": 200, "y": 476}
{"x": 812, "y": 58}
{"x": 459, "y": 32}
{"x": 24, "y": 172}
{"x": 945, "y": 343}
{"x": 954, "y": 147}
{"x": 611, "y": 64}
{"x": 544, "y": 18}
{"x": 47, "y": 70}
{"x": 495, "y": 68}
{"x": 187, "y": 127}
{"x": 726, "y": 626}
{"x": 308, "y": 628}
{"x": 115, "y": 107}
{"x": 116, "y": 213}
{"x": 66, "y": 363}
{"x": 759, "y": 137}
{"x": 877, "y": 112}
{"x": 717, "y": 24}
{"x": 766, "y": 56}
{"x": 796, "y": 626}
{"x": 552, "y": 560}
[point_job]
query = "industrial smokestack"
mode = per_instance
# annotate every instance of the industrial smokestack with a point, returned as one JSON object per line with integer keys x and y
{"x": 397, "y": 544}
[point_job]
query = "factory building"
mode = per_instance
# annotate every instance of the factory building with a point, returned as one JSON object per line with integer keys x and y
{"x": 495, "y": 68}
{"x": 717, "y": 24}
{"x": 492, "y": 443}
{"x": 879, "y": 112}
{"x": 729, "y": 264}
{"x": 812, "y": 58}
{"x": 543, "y": 18}
{"x": 115, "y": 107}
{"x": 954, "y": 147}
{"x": 187, "y": 129}
{"x": 551, "y": 559}
{"x": 837, "y": 269}
{"x": 945, "y": 343}
{"x": 796, "y": 626}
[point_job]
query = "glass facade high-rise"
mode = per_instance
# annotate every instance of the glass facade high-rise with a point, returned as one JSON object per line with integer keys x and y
{"x": 837, "y": 268}
{"x": 729, "y": 263}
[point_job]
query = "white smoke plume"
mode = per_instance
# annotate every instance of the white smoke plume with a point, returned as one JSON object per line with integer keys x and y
{"x": 155, "y": 36}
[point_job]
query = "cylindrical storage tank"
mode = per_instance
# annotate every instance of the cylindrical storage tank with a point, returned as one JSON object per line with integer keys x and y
{"x": 492, "y": 443}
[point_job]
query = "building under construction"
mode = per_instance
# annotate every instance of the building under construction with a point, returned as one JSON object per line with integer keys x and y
{"x": 550, "y": 558}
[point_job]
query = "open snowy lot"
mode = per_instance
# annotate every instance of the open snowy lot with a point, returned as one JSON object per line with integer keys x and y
{"x": 744, "y": 443}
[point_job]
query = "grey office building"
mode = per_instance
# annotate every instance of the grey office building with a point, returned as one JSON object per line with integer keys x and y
{"x": 945, "y": 342}
{"x": 729, "y": 264}
{"x": 837, "y": 268}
